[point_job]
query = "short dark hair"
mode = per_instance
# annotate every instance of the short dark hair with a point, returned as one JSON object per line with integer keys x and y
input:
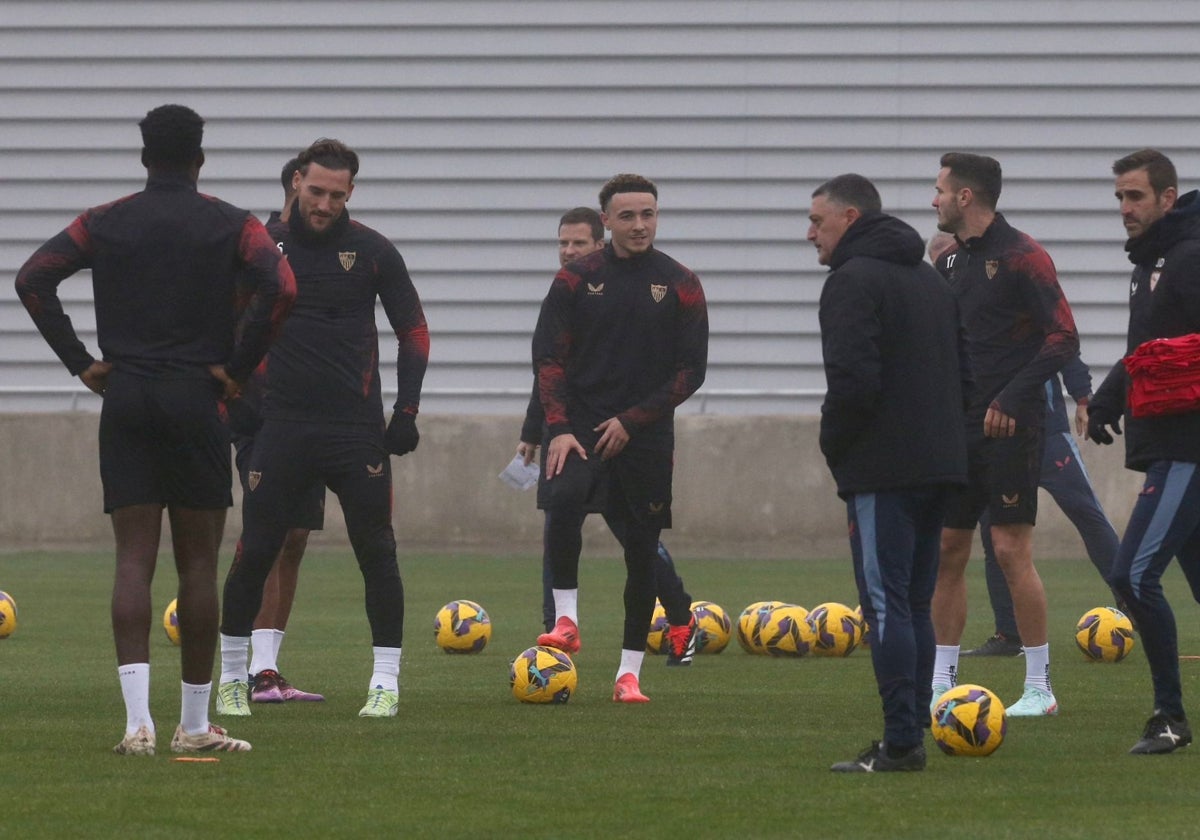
{"x": 584, "y": 216}
{"x": 288, "y": 172}
{"x": 625, "y": 183}
{"x": 1159, "y": 169}
{"x": 851, "y": 190}
{"x": 979, "y": 173}
{"x": 331, "y": 154}
{"x": 172, "y": 136}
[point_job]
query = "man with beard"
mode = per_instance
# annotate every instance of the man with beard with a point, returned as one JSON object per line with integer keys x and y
{"x": 1164, "y": 302}
{"x": 1019, "y": 332}
{"x": 323, "y": 417}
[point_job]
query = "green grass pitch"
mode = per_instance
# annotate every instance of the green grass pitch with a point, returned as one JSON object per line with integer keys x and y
{"x": 734, "y": 746}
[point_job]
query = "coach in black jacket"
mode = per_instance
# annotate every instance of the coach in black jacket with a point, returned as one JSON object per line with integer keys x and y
{"x": 1164, "y": 302}
{"x": 892, "y": 431}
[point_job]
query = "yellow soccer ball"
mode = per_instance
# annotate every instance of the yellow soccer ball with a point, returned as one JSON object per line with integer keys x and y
{"x": 1104, "y": 634}
{"x": 713, "y": 628}
{"x": 656, "y": 639}
{"x": 750, "y": 625}
{"x": 8, "y": 615}
{"x": 837, "y": 628}
{"x": 171, "y": 622}
{"x": 969, "y": 720}
{"x": 543, "y": 675}
{"x": 865, "y": 639}
{"x": 462, "y": 627}
{"x": 787, "y": 631}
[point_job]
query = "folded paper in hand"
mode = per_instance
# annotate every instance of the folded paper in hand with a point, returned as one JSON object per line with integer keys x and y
{"x": 519, "y": 475}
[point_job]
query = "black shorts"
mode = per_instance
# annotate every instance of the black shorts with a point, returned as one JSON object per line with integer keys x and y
{"x": 162, "y": 441}
{"x": 1003, "y": 475}
{"x": 634, "y": 485}
{"x": 309, "y": 513}
{"x": 291, "y": 458}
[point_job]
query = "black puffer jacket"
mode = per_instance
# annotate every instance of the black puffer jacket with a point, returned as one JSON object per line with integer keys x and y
{"x": 1164, "y": 302}
{"x": 894, "y": 364}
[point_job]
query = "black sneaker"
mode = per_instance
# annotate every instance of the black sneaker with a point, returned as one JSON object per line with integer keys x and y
{"x": 998, "y": 645}
{"x": 874, "y": 759}
{"x": 681, "y": 642}
{"x": 1163, "y": 734}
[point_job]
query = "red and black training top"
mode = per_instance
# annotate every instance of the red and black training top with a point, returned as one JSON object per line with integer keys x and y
{"x": 1019, "y": 327}
{"x": 625, "y": 338}
{"x": 173, "y": 273}
{"x": 325, "y": 365}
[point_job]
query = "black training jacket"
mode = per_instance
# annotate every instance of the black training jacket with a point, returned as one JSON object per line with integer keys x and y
{"x": 1164, "y": 302}
{"x": 894, "y": 364}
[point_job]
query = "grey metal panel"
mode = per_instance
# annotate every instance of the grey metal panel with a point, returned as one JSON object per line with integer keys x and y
{"x": 479, "y": 122}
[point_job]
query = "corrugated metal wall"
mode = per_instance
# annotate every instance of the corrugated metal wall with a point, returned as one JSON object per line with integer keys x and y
{"x": 480, "y": 122}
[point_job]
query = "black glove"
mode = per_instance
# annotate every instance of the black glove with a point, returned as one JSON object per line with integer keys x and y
{"x": 401, "y": 436}
{"x": 1098, "y": 419}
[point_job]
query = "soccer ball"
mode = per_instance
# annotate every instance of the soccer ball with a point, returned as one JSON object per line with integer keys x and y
{"x": 787, "y": 631}
{"x": 543, "y": 675}
{"x": 8, "y": 615}
{"x": 1104, "y": 634}
{"x": 750, "y": 625}
{"x": 462, "y": 627}
{"x": 713, "y": 628}
{"x": 969, "y": 720}
{"x": 656, "y": 639}
{"x": 171, "y": 622}
{"x": 865, "y": 639}
{"x": 837, "y": 628}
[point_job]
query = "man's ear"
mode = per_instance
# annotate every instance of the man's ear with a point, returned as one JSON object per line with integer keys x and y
{"x": 1169, "y": 195}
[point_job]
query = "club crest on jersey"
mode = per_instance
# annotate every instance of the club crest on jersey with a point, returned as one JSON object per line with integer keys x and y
{"x": 253, "y": 479}
{"x": 346, "y": 258}
{"x": 658, "y": 292}
{"x": 595, "y": 288}
{"x": 990, "y": 267}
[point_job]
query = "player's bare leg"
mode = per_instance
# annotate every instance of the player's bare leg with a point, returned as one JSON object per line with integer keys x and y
{"x": 950, "y": 597}
{"x": 279, "y": 594}
{"x": 1014, "y": 553}
{"x": 138, "y": 529}
{"x": 949, "y": 607}
{"x": 196, "y": 535}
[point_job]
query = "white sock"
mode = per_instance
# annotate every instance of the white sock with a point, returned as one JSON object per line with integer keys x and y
{"x": 135, "y": 688}
{"x": 193, "y": 716}
{"x": 263, "y": 648}
{"x": 1037, "y": 667}
{"x": 234, "y": 651}
{"x": 566, "y": 604}
{"x": 387, "y": 669}
{"x": 945, "y": 665}
{"x": 631, "y": 662}
{"x": 277, "y": 642}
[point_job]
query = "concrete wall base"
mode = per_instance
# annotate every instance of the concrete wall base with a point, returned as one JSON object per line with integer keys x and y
{"x": 744, "y": 487}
